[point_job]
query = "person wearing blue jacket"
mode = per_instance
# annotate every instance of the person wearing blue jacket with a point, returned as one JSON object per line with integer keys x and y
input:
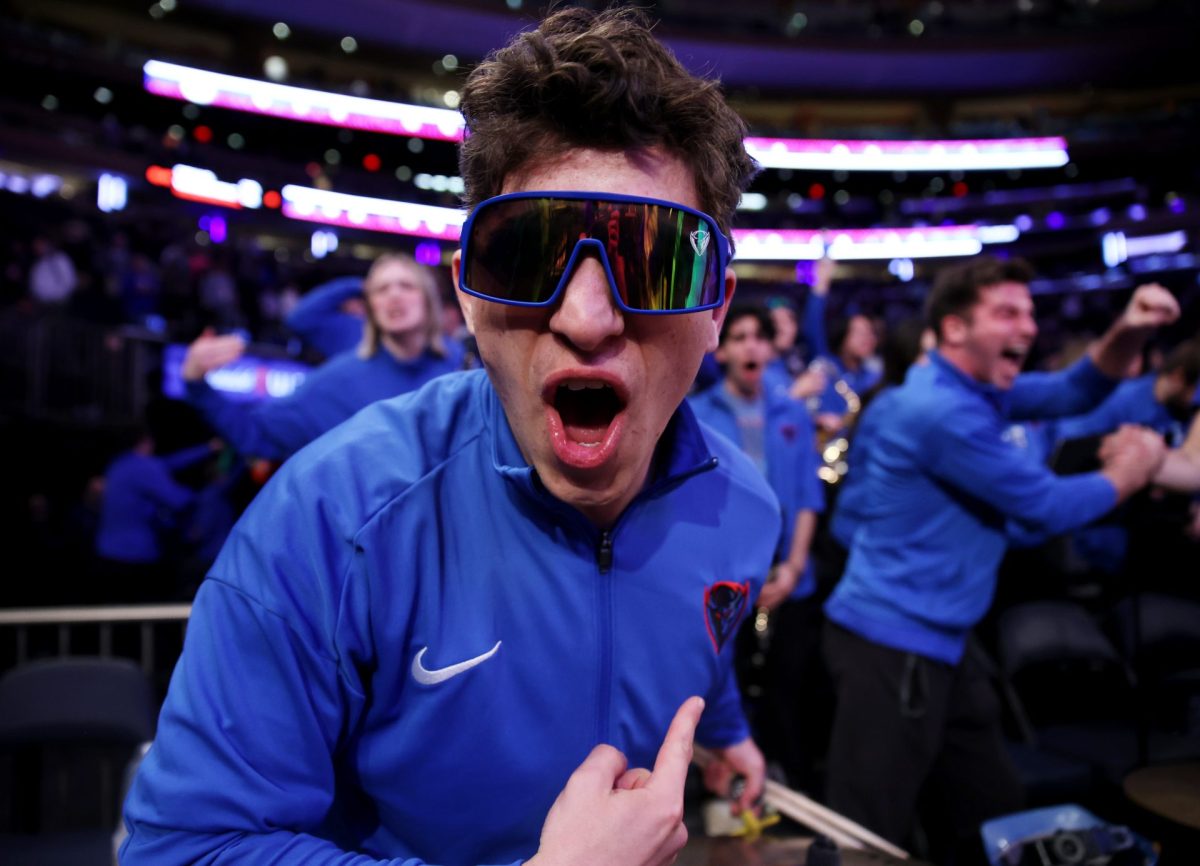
{"x": 482, "y": 623}
{"x": 914, "y": 709}
{"x": 401, "y": 349}
{"x": 143, "y": 506}
{"x": 776, "y": 433}
{"x": 844, "y": 354}
{"x": 1161, "y": 401}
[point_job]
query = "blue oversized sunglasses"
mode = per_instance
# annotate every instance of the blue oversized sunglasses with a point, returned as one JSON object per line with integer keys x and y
{"x": 659, "y": 256}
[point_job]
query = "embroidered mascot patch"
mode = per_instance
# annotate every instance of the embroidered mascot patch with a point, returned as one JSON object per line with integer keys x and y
{"x": 723, "y": 605}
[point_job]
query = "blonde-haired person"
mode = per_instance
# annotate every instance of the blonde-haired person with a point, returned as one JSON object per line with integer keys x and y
{"x": 401, "y": 349}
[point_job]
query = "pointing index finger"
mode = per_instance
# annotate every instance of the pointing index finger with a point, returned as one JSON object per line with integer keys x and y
{"x": 675, "y": 754}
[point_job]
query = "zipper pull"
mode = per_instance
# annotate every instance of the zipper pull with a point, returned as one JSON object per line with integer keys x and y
{"x": 604, "y": 552}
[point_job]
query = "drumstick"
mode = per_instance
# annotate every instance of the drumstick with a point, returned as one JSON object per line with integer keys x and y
{"x": 805, "y": 810}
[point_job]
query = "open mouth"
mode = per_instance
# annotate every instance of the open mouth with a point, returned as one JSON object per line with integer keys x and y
{"x": 1014, "y": 354}
{"x": 587, "y": 409}
{"x": 584, "y": 417}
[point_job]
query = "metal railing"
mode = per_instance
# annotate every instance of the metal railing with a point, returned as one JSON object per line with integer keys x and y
{"x": 66, "y": 621}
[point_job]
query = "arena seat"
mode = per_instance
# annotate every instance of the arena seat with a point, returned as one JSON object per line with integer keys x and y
{"x": 68, "y": 729}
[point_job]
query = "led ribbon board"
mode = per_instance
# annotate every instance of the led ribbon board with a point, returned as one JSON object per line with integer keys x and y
{"x": 298, "y": 103}
{"x": 864, "y": 244}
{"x": 445, "y": 223}
{"x": 200, "y": 184}
{"x": 374, "y": 214}
{"x": 966, "y": 155}
{"x": 203, "y": 87}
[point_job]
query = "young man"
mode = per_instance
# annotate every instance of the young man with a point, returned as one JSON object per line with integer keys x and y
{"x": 463, "y": 627}
{"x": 401, "y": 349}
{"x": 914, "y": 710}
{"x": 776, "y": 433}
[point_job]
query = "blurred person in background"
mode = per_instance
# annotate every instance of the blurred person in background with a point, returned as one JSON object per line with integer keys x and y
{"x": 143, "y": 512}
{"x": 776, "y": 433}
{"x": 845, "y": 354}
{"x": 915, "y": 711}
{"x": 52, "y": 277}
{"x": 401, "y": 348}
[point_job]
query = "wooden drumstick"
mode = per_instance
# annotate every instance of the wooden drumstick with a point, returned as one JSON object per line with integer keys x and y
{"x": 810, "y": 813}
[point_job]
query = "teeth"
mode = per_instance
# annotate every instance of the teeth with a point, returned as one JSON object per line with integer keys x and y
{"x": 583, "y": 385}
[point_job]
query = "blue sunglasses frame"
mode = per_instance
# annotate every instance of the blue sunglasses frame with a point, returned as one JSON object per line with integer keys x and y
{"x": 724, "y": 252}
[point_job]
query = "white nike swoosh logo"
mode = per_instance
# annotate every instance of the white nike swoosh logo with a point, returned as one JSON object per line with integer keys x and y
{"x": 428, "y": 678}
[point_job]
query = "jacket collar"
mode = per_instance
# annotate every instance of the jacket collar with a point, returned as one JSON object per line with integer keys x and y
{"x": 998, "y": 398}
{"x": 682, "y": 450}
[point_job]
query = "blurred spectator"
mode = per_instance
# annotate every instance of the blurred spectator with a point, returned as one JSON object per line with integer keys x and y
{"x": 52, "y": 277}
{"x": 402, "y": 348}
{"x": 144, "y": 508}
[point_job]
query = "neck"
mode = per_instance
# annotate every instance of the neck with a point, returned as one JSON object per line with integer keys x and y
{"x": 850, "y": 362}
{"x": 958, "y": 358}
{"x": 403, "y": 346}
{"x": 748, "y": 392}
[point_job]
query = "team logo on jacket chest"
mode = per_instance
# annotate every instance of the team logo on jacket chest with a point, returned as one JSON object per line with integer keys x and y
{"x": 724, "y": 602}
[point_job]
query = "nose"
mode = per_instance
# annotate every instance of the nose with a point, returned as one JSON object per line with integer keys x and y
{"x": 587, "y": 314}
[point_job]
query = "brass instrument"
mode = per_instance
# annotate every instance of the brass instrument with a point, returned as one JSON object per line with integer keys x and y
{"x": 834, "y": 445}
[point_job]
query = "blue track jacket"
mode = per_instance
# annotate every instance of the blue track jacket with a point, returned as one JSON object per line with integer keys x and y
{"x": 276, "y": 429}
{"x": 407, "y": 645}
{"x": 791, "y": 459}
{"x": 142, "y": 502}
{"x": 942, "y": 480}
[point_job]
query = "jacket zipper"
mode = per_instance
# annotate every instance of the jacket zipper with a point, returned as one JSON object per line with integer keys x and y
{"x": 604, "y": 558}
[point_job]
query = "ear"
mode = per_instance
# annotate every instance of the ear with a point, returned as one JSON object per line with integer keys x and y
{"x": 718, "y": 314}
{"x": 954, "y": 330}
{"x": 465, "y": 302}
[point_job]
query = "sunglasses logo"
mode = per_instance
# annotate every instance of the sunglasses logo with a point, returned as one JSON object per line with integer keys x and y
{"x": 700, "y": 238}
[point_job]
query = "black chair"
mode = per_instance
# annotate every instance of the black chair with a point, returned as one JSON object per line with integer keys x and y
{"x": 1160, "y": 635}
{"x": 68, "y": 729}
{"x": 1071, "y": 693}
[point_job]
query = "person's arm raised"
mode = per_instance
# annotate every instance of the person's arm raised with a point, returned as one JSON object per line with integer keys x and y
{"x": 1150, "y": 308}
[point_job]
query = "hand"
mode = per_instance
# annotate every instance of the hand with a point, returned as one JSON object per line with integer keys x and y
{"x": 607, "y": 814}
{"x": 1151, "y": 306}
{"x": 779, "y": 585}
{"x": 1130, "y": 457}
{"x": 208, "y": 352}
{"x": 742, "y": 759}
{"x": 829, "y": 422}
{"x": 810, "y": 383}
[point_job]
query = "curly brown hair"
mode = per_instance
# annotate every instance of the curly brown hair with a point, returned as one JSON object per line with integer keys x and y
{"x": 599, "y": 80}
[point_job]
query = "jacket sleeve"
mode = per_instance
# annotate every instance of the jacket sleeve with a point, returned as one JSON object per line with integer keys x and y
{"x": 318, "y": 320}
{"x": 723, "y": 722}
{"x": 167, "y": 494}
{"x": 967, "y": 451}
{"x": 1072, "y": 391}
{"x": 273, "y": 429}
{"x": 814, "y": 325}
{"x": 242, "y": 769}
{"x": 185, "y": 458}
